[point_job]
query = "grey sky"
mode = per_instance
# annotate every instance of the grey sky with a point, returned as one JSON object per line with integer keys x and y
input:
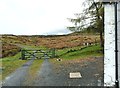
{"x": 37, "y": 16}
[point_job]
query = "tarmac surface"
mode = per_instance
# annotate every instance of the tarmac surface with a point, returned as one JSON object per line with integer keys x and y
{"x": 58, "y": 74}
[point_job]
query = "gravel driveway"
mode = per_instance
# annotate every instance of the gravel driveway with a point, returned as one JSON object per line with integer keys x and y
{"x": 57, "y": 74}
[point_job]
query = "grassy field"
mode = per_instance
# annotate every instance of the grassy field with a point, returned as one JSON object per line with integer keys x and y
{"x": 80, "y": 52}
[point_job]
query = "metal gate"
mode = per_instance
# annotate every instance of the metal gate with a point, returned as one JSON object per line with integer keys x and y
{"x": 38, "y": 54}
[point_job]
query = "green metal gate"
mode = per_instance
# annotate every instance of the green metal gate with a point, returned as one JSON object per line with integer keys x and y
{"x": 38, "y": 54}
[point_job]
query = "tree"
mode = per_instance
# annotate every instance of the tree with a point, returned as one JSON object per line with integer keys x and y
{"x": 97, "y": 11}
{"x": 92, "y": 17}
{"x": 78, "y": 22}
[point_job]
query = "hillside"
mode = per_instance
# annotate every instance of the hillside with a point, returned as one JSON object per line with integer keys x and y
{"x": 11, "y": 44}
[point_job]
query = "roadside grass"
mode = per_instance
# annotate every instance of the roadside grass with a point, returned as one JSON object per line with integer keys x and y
{"x": 35, "y": 67}
{"x": 79, "y": 53}
{"x": 90, "y": 51}
{"x": 10, "y": 64}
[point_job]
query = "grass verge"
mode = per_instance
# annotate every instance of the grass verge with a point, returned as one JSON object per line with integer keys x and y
{"x": 10, "y": 64}
{"x": 34, "y": 68}
{"x": 89, "y": 51}
{"x": 79, "y": 53}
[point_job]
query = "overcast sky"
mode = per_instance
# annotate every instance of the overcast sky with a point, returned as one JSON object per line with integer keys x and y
{"x": 31, "y": 17}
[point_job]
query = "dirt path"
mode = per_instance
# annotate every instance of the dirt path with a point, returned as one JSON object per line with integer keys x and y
{"x": 18, "y": 77}
{"x": 58, "y": 74}
{"x": 45, "y": 75}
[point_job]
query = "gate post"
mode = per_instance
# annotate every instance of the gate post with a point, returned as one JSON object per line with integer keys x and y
{"x": 109, "y": 46}
{"x": 53, "y": 52}
{"x": 23, "y": 54}
{"x": 112, "y": 44}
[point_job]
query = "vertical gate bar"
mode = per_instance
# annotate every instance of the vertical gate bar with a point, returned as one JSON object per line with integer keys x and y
{"x": 23, "y": 54}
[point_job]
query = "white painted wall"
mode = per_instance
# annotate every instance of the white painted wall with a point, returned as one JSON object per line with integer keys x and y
{"x": 109, "y": 46}
{"x": 118, "y": 16}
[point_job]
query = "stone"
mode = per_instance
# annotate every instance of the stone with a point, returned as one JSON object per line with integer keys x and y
{"x": 75, "y": 75}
